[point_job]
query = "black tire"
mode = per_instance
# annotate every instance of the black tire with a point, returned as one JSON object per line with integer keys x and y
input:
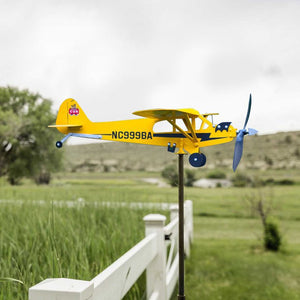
{"x": 59, "y": 144}
{"x": 197, "y": 160}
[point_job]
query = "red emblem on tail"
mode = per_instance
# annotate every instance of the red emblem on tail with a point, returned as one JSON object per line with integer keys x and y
{"x": 73, "y": 111}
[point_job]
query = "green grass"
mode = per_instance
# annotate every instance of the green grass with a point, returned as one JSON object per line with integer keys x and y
{"x": 225, "y": 268}
{"x": 39, "y": 241}
{"x": 230, "y": 250}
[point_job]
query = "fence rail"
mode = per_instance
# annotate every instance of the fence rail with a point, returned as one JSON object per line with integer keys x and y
{"x": 157, "y": 253}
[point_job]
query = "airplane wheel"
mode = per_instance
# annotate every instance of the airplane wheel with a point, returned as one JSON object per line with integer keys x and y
{"x": 59, "y": 144}
{"x": 197, "y": 160}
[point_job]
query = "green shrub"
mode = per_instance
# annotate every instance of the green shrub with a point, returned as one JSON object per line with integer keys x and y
{"x": 270, "y": 181}
{"x": 216, "y": 174}
{"x": 190, "y": 177}
{"x": 170, "y": 173}
{"x": 288, "y": 139}
{"x": 285, "y": 182}
{"x": 241, "y": 180}
{"x": 257, "y": 182}
{"x": 269, "y": 161}
{"x": 272, "y": 237}
{"x": 43, "y": 178}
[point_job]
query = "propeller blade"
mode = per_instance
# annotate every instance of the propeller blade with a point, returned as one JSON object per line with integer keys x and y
{"x": 239, "y": 143}
{"x": 252, "y": 131}
{"x": 238, "y": 149}
{"x": 248, "y": 112}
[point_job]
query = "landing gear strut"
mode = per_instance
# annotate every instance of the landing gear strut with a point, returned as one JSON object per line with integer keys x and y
{"x": 59, "y": 144}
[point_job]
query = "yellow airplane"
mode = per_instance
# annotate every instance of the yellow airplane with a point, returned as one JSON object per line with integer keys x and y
{"x": 185, "y": 135}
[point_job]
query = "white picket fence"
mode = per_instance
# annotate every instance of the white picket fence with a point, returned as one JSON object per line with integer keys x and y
{"x": 157, "y": 253}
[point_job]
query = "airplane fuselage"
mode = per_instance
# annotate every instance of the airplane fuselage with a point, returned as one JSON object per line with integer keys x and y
{"x": 140, "y": 131}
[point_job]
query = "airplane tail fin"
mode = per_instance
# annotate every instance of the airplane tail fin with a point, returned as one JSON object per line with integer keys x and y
{"x": 70, "y": 115}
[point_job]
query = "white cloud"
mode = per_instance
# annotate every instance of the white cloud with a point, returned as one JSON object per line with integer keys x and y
{"x": 116, "y": 57}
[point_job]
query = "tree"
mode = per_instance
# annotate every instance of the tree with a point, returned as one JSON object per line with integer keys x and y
{"x": 261, "y": 206}
{"x": 26, "y": 144}
{"x": 170, "y": 173}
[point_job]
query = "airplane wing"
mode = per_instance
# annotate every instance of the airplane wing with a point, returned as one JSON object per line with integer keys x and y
{"x": 171, "y": 115}
{"x": 67, "y": 126}
{"x": 210, "y": 114}
{"x": 167, "y": 114}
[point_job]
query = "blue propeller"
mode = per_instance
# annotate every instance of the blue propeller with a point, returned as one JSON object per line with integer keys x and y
{"x": 239, "y": 143}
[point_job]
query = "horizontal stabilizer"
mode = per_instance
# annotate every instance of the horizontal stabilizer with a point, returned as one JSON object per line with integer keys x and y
{"x": 67, "y": 126}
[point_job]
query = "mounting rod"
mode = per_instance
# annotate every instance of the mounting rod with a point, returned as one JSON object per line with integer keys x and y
{"x": 181, "y": 225}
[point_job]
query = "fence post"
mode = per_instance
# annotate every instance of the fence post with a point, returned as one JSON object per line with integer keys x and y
{"x": 190, "y": 226}
{"x": 173, "y": 211}
{"x": 188, "y": 222}
{"x": 62, "y": 289}
{"x": 156, "y": 271}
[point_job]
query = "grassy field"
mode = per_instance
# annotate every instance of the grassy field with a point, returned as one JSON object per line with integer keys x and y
{"x": 39, "y": 239}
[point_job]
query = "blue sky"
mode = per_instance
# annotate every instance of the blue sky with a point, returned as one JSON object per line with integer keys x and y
{"x": 116, "y": 57}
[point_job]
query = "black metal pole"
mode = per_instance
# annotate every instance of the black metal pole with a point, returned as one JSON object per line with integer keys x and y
{"x": 181, "y": 226}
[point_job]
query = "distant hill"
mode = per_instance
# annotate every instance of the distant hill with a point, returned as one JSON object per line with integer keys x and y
{"x": 272, "y": 151}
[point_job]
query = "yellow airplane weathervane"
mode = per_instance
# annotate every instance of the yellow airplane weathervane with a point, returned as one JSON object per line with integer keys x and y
{"x": 186, "y": 135}
{"x": 190, "y": 132}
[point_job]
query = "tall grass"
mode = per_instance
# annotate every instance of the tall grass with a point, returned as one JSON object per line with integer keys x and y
{"x": 43, "y": 241}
